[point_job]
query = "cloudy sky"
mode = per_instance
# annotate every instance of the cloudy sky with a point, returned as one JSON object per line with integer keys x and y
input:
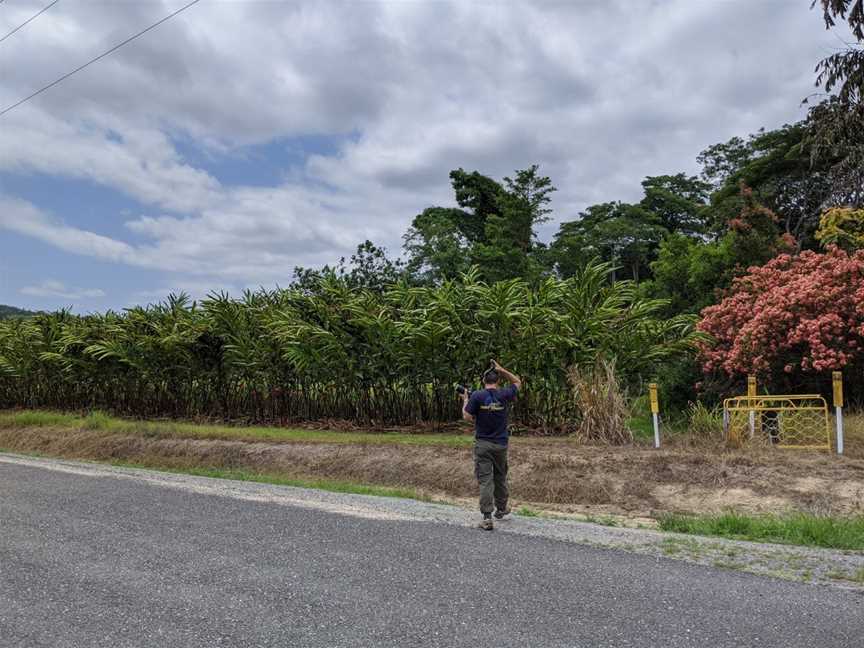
{"x": 243, "y": 138}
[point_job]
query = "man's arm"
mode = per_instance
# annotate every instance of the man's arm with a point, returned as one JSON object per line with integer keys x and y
{"x": 465, "y": 414}
{"x": 509, "y": 375}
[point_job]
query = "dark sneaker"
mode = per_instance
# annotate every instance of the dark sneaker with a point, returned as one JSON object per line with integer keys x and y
{"x": 499, "y": 514}
{"x": 486, "y": 524}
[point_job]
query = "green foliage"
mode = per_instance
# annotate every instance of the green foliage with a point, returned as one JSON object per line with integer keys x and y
{"x": 835, "y": 140}
{"x": 336, "y": 351}
{"x": 690, "y": 273}
{"x": 843, "y": 72}
{"x": 8, "y": 312}
{"x": 677, "y": 202}
{"x": 843, "y": 227}
{"x": 778, "y": 170}
{"x": 368, "y": 268}
{"x": 494, "y": 229}
{"x": 703, "y": 421}
{"x": 687, "y": 272}
{"x": 619, "y": 233}
{"x": 795, "y": 529}
{"x": 630, "y": 235}
{"x": 437, "y": 249}
{"x": 524, "y": 511}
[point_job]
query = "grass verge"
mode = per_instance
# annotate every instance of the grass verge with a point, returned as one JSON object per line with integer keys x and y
{"x": 170, "y": 429}
{"x": 794, "y": 529}
{"x": 332, "y": 485}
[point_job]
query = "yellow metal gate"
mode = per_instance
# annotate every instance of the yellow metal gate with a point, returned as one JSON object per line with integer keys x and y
{"x": 779, "y": 421}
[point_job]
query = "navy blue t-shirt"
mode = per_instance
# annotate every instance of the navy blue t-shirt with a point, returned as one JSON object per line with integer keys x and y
{"x": 489, "y": 407}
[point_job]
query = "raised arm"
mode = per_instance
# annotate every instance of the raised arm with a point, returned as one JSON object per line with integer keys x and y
{"x": 509, "y": 375}
{"x": 465, "y": 414}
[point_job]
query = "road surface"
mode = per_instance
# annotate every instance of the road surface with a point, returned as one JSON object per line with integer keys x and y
{"x": 90, "y": 558}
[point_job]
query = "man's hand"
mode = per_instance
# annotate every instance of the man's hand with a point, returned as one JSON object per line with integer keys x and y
{"x": 509, "y": 375}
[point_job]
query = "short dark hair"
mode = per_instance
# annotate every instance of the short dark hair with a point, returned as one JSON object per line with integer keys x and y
{"x": 490, "y": 377}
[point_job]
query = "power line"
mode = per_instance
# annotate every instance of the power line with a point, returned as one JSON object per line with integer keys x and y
{"x": 30, "y": 19}
{"x": 101, "y": 56}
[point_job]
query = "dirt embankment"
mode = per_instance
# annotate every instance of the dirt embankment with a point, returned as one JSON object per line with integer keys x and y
{"x": 556, "y": 474}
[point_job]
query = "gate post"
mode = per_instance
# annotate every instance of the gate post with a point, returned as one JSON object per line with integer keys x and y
{"x": 837, "y": 379}
{"x": 655, "y": 412}
{"x": 751, "y": 393}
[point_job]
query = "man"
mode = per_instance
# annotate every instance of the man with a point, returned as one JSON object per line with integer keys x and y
{"x": 488, "y": 409}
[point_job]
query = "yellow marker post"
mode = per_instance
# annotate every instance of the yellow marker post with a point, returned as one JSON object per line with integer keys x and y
{"x": 655, "y": 412}
{"x": 837, "y": 380}
{"x": 751, "y": 393}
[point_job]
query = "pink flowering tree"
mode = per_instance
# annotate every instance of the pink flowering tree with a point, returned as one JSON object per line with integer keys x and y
{"x": 790, "y": 321}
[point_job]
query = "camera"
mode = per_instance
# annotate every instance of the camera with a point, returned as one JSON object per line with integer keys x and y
{"x": 462, "y": 389}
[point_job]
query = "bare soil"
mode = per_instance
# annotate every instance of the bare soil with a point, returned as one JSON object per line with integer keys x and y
{"x": 555, "y": 474}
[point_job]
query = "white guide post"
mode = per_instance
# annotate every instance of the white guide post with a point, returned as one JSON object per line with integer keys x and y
{"x": 837, "y": 379}
{"x": 655, "y": 412}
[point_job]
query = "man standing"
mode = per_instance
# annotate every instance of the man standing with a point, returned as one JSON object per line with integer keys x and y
{"x": 489, "y": 408}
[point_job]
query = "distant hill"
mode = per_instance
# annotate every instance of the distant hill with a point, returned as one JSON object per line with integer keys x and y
{"x": 8, "y": 312}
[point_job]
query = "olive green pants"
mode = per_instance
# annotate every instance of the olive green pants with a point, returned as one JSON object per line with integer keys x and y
{"x": 490, "y": 468}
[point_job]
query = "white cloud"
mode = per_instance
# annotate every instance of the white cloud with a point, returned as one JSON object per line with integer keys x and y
{"x": 599, "y": 93}
{"x": 53, "y": 288}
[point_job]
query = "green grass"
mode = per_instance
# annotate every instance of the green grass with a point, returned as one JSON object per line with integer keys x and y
{"x": 524, "y": 511}
{"x": 169, "y": 429}
{"x": 642, "y": 427}
{"x": 332, "y": 485}
{"x": 794, "y": 529}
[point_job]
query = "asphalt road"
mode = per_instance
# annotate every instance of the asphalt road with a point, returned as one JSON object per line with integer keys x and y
{"x": 106, "y": 561}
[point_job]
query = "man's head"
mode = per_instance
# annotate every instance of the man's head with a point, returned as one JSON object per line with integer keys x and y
{"x": 490, "y": 378}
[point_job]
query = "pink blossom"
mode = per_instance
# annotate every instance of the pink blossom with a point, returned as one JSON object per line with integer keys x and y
{"x": 802, "y": 311}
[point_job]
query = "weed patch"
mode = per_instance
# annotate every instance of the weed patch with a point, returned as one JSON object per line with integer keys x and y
{"x": 795, "y": 529}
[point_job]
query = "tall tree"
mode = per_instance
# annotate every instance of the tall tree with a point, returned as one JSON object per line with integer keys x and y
{"x": 678, "y": 201}
{"x": 720, "y": 161}
{"x": 436, "y": 246}
{"x": 511, "y": 248}
{"x": 493, "y": 227}
{"x": 623, "y": 234}
{"x": 479, "y": 196}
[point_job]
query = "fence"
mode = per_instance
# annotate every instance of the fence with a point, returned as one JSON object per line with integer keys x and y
{"x": 799, "y": 421}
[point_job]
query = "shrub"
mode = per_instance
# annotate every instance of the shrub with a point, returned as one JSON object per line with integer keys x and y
{"x": 794, "y": 316}
{"x": 842, "y": 226}
{"x": 705, "y": 421}
{"x": 602, "y": 407}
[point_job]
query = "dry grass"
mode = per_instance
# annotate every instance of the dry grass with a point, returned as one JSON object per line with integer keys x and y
{"x": 602, "y": 406}
{"x": 550, "y": 473}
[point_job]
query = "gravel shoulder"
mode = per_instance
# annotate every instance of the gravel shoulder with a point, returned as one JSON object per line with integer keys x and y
{"x": 818, "y": 566}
